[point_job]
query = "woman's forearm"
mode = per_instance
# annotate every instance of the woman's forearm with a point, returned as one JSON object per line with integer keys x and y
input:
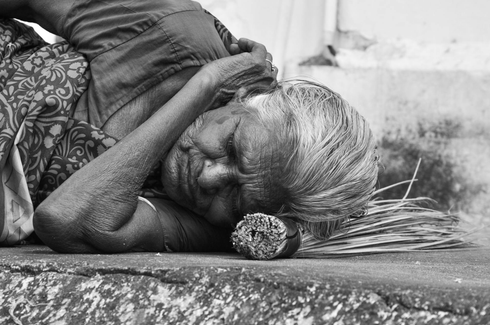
{"x": 96, "y": 205}
{"x": 102, "y": 196}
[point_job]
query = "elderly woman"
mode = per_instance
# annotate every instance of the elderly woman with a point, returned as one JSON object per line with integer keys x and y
{"x": 298, "y": 150}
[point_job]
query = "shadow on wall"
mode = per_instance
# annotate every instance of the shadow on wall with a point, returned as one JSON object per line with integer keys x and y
{"x": 441, "y": 175}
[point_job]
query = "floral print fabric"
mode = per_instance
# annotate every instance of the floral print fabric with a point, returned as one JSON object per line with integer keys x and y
{"x": 39, "y": 85}
{"x": 40, "y": 144}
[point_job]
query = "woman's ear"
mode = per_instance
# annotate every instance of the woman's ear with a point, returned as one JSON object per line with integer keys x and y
{"x": 239, "y": 95}
{"x": 255, "y": 89}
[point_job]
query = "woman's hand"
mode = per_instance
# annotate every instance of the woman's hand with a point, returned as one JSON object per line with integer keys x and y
{"x": 249, "y": 68}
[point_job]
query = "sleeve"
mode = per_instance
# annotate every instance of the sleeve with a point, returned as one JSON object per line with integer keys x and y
{"x": 134, "y": 45}
{"x": 184, "y": 231}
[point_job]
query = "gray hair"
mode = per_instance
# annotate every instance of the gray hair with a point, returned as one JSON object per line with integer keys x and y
{"x": 328, "y": 161}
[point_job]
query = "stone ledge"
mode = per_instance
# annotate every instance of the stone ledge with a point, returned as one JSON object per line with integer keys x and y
{"x": 39, "y": 286}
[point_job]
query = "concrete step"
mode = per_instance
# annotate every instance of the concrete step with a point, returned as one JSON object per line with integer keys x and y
{"x": 38, "y": 286}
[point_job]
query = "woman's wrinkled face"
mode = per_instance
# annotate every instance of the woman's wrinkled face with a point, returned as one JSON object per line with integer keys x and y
{"x": 220, "y": 166}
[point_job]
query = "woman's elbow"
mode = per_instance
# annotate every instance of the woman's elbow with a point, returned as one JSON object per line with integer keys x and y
{"x": 57, "y": 230}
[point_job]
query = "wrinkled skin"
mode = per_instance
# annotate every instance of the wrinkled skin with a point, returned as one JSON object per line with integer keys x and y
{"x": 97, "y": 209}
{"x": 218, "y": 166}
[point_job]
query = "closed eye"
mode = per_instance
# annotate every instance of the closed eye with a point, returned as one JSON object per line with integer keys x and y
{"x": 230, "y": 148}
{"x": 234, "y": 202}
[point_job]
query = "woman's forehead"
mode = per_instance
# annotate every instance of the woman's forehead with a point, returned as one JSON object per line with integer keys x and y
{"x": 224, "y": 115}
{"x": 259, "y": 157}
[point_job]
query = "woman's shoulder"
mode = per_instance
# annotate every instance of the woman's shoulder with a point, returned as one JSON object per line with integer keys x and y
{"x": 137, "y": 45}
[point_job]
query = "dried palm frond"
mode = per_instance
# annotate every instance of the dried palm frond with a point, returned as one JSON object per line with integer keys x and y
{"x": 388, "y": 226}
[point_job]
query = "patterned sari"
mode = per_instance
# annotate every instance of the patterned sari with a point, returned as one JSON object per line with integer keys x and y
{"x": 40, "y": 144}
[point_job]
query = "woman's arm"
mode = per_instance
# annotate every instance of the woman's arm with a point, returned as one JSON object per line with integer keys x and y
{"x": 94, "y": 210}
{"x": 184, "y": 231}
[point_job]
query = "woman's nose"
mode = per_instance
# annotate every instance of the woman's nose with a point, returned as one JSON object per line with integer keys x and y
{"x": 214, "y": 176}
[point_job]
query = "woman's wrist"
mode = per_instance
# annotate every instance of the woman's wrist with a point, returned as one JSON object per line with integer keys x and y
{"x": 209, "y": 82}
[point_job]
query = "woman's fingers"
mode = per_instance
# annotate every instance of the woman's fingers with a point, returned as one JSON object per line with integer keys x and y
{"x": 271, "y": 65}
{"x": 261, "y": 55}
{"x": 234, "y": 49}
{"x": 244, "y": 45}
{"x": 269, "y": 57}
{"x": 247, "y": 45}
{"x": 258, "y": 51}
{"x": 274, "y": 74}
{"x": 249, "y": 67}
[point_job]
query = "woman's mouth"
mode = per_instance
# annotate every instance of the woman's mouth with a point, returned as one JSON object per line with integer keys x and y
{"x": 190, "y": 181}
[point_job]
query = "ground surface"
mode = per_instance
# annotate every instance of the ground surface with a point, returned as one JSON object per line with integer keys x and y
{"x": 38, "y": 286}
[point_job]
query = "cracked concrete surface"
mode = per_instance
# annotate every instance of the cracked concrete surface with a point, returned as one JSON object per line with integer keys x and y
{"x": 38, "y": 286}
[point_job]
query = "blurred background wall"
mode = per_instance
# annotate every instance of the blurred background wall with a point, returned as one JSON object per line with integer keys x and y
{"x": 418, "y": 70}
